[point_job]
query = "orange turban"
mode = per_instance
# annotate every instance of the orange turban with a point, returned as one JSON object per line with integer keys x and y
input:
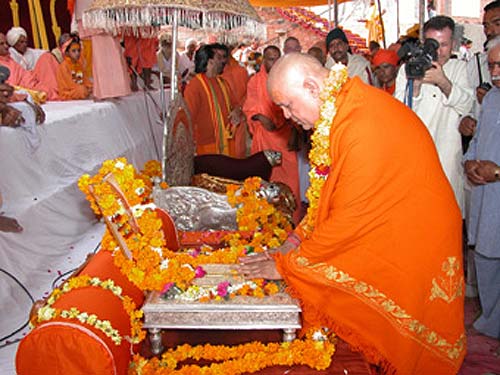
{"x": 385, "y": 56}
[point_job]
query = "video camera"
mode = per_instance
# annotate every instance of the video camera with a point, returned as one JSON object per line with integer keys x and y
{"x": 418, "y": 57}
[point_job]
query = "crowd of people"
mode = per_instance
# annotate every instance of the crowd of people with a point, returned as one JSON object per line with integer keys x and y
{"x": 396, "y": 187}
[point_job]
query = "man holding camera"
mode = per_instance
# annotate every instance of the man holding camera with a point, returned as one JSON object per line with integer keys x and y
{"x": 440, "y": 97}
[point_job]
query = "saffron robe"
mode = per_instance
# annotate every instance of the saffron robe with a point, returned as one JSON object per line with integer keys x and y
{"x": 71, "y": 81}
{"x": 46, "y": 72}
{"x": 258, "y": 102}
{"x": 237, "y": 78}
{"x": 141, "y": 52}
{"x": 207, "y": 128}
{"x": 21, "y": 77}
{"x": 383, "y": 265}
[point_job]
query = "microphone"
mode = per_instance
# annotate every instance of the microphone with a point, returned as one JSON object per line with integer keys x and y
{"x": 4, "y": 73}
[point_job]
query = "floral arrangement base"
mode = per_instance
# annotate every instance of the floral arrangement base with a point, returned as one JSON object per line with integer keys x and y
{"x": 278, "y": 311}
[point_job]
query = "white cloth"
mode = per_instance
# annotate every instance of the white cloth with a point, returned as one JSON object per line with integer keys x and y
{"x": 40, "y": 189}
{"x": 29, "y": 59}
{"x": 29, "y": 128}
{"x": 186, "y": 63}
{"x": 357, "y": 65}
{"x": 441, "y": 116}
{"x": 165, "y": 64}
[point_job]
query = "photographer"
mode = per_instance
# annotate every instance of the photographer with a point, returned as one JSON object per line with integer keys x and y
{"x": 440, "y": 97}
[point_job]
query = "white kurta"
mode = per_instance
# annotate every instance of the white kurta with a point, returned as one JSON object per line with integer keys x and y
{"x": 29, "y": 59}
{"x": 356, "y": 66}
{"x": 441, "y": 116}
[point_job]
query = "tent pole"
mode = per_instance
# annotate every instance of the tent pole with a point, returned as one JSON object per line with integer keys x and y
{"x": 421, "y": 20}
{"x": 168, "y": 120}
{"x": 336, "y": 12}
{"x": 381, "y": 23}
{"x": 329, "y": 14}
{"x": 398, "y": 31}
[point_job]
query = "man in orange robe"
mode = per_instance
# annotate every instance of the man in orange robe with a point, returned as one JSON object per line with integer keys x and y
{"x": 46, "y": 68}
{"x": 236, "y": 77}
{"x": 18, "y": 76}
{"x": 267, "y": 124}
{"x": 212, "y": 105}
{"x": 141, "y": 57}
{"x": 378, "y": 258}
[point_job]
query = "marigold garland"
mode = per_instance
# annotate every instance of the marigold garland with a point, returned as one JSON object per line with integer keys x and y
{"x": 315, "y": 351}
{"x": 47, "y": 312}
{"x": 319, "y": 156}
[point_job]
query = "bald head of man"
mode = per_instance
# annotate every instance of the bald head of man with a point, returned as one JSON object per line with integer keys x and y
{"x": 295, "y": 83}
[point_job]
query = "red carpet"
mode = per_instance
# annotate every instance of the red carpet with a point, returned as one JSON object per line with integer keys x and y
{"x": 482, "y": 351}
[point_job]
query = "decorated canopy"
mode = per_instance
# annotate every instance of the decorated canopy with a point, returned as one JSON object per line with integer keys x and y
{"x": 292, "y": 3}
{"x": 141, "y": 16}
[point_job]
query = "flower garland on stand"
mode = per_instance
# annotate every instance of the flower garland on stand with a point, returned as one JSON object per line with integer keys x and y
{"x": 47, "y": 312}
{"x": 315, "y": 351}
{"x": 319, "y": 156}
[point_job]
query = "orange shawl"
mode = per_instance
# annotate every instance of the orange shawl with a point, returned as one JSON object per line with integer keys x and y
{"x": 72, "y": 83}
{"x": 383, "y": 266}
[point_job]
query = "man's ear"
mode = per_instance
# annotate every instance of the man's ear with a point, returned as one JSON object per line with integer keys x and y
{"x": 311, "y": 86}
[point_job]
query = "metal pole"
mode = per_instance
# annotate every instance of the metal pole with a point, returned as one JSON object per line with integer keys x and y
{"x": 381, "y": 23}
{"x": 336, "y": 12}
{"x": 329, "y": 14}
{"x": 421, "y": 20}
{"x": 167, "y": 116}
{"x": 398, "y": 31}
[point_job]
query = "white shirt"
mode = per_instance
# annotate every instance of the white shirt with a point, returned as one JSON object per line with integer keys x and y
{"x": 357, "y": 65}
{"x": 186, "y": 63}
{"x": 473, "y": 74}
{"x": 29, "y": 59}
{"x": 441, "y": 116}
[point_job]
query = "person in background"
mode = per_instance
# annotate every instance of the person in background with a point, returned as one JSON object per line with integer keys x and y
{"x": 381, "y": 212}
{"x": 317, "y": 53}
{"x": 385, "y": 64}
{"x": 478, "y": 73}
{"x": 269, "y": 128}
{"x": 19, "y": 77}
{"x": 440, "y": 98}
{"x": 338, "y": 49}
{"x": 72, "y": 83}
{"x": 140, "y": 54}
{"x": 186, "y": 60}
{"x": 292, "y": 44}
{"x": 19, "y": 50}
{"x": 46, "y": 68}
{"x": 164, "y": 58}
{"x": 236, "y": 77}
{"x": 213, "y": 106}
{"x": 482, "y": 167}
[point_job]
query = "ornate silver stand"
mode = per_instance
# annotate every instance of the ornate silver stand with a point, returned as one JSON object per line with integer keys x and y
{"x": 279, "y": 311}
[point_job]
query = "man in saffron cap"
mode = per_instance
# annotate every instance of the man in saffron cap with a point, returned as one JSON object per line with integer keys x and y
{"x": 378, "y": 258}
{"x": 385, "y": 67}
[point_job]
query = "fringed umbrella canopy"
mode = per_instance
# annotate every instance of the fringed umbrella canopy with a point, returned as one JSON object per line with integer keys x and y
{"x": 145, "y": 17}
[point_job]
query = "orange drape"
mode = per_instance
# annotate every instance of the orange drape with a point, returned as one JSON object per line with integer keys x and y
{"x": 259, "y": 102}
{"x": 383, "y": 266}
